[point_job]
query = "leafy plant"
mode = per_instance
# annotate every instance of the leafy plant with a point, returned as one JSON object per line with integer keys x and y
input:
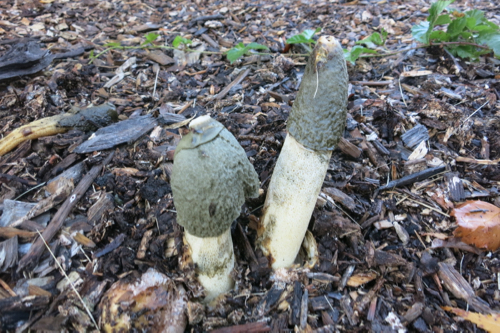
{"x": 467, "y": 35}
{"x": 304, "y": 37}
{"x": 150, "y": 38}
{"x": 371, "y": 42}
{"x": 241, "y": 49}
{"x": 178, "y": 40}
{"x": 375, "y": 39}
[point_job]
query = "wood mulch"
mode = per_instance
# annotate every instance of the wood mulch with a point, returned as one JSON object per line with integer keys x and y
{"x": 422, "y": 135}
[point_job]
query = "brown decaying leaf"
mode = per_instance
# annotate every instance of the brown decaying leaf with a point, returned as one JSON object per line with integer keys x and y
{"x": 478, "y": 224}
{"x": 490, "y": 323}
{"x": 361, "y": 278}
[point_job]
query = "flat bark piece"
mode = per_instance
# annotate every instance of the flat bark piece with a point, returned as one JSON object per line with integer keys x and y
{"x": 460, "y": 288}
{"x": 241, "y": 241}
{"x": 349, "y": 148}
{"x": 383, "y": 258}
{"x": 8, "y": 232}
{"x": 37, "y": 248}
{"x": 15, "y": 210}
{"x": 45, "y": 204}
{"x": 414, "y": 166}
{"x": 236, "y": 81}
{"x": 258, "y": 327}
{"x": 160, "y": 57}
{"x": 63, "y": 165}
{"x": 26, "y": 303}
{"x": 16, "y": 155}
{"x": 410, "y": 179}
{"x": 74, "y": 173}
{"x": 8, "y": 249}
{"x": 455, "y": 186}
{"x": 374, "y": 156}
{"x": 320, "y": 303}
{"x": 104, "y": 203}
{"x": 268, "y": 301}
{"x": 122, "y": 132}
{"x": 203, "y": 19}
{"x": 24, "y": 59}
{"x": 414, "y": 312}
{"x": 295, "y": 304}
{"x": 345, "y": 304}
{"x": 146, "y": 27}
{"x": 110, "y": 247}
{"x": 342, "y": 198}
{"x": 414, "y": 136}
{"x": 304, "y": 309}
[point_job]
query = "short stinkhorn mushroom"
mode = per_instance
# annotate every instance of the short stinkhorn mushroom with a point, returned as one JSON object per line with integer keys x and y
{"x": 315, "y": 126}
{"x": 210, "y": 180}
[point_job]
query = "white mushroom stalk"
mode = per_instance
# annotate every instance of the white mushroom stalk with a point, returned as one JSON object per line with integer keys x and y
{"x": 315, "y": 126}
{"x": 211, "y": 178}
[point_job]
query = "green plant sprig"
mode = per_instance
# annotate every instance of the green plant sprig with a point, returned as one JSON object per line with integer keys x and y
{"x": 179, "y": 42}
{"x": 468, "y": 35}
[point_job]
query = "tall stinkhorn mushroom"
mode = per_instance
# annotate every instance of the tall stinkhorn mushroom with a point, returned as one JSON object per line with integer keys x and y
{"x": 210, "y": 180}
{"x": 315, "y": 126}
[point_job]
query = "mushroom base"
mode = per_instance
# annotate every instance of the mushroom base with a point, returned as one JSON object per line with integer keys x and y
{"x": 292, "y": 194}
{"x": 214, "y": 260}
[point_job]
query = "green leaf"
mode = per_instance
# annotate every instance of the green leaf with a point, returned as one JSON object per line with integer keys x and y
{"x": 150, "y": 37}
{"x": 419, "y": 32}
{"x": 355, "y": 52}
{"x": 374, "y": 39}
{"x": 484, "y": 28}
{"x": 439, "y": 35}
{"x": 464, "y": 51}
{"x": 442, "y": 19}
{"x": 236, "y": 52}
{"x": 476, "y": 14}
{"x": 304, "y": 37}
{"x": 436, "y": 9}
{"x": 434, "y": 12}
{"x": 240, "y": 50}
{"x": 492, "y": 40}
{"x": 467, "y": 36}
{"x": 470, "y": 22}
{"x": 256, "y": 46}
{"x": 112, "y": 45}
{"x": 178, "y": 40}
{"x": 91, "y": 54}
{"x": 456, "y": 27}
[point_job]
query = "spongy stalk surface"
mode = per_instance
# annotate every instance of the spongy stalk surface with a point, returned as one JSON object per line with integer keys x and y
{"x": 291, "y": 197}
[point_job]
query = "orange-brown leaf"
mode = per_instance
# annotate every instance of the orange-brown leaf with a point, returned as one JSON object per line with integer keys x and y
{"x": 490, "y": 323}
{"x": 478, "y": 224}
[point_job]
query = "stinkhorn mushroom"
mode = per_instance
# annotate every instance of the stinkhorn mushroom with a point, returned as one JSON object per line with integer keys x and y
{"x": 210, "y": 180}
{"x": 315, "y": 126}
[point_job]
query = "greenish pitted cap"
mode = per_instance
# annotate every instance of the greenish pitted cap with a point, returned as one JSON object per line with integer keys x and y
{"x": 318, "y": 115}
{"x": 210, "y": 179}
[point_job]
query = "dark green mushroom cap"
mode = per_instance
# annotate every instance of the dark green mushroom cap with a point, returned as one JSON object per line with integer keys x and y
{"x": 318, "y": 115}
{"x": 210, "y": 179}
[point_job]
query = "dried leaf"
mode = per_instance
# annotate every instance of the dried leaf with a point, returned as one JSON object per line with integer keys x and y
{"x": 490, "y": 323}
{"x": 361, "y": 278}
{"x": 478, "y": 224}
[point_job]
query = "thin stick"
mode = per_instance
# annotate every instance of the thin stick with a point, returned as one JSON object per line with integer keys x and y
{"x": 67, "y": 278}
{"x": 401, "y": 92}
{"x": 473, "y": 113}
{"x": 6, "y": 287}
{"x": 36, "y": 250}
{"x": 430, "y": 207}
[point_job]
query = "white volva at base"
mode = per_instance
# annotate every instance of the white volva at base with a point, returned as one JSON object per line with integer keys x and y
{"x": 214, "y": 260}
{"x": 295, "y": 185}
